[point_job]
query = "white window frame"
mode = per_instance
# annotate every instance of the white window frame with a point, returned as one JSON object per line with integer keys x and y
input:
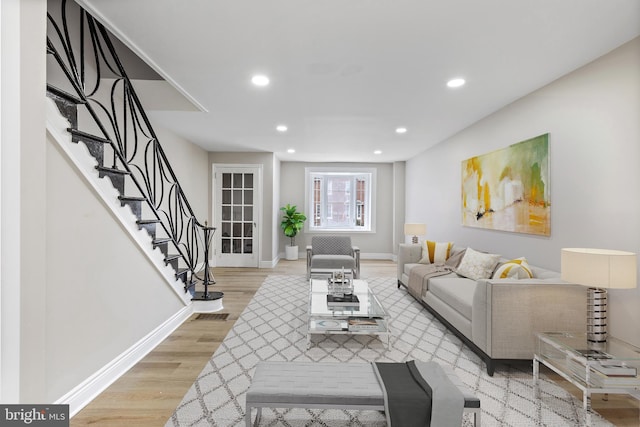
{"x": 370, "y": 207}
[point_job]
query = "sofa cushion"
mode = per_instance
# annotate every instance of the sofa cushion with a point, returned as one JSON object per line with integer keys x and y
{"x": 435, "y": 252}
{"x": 477, "y": 265}
{"x": 514, "y": 269}
{"x": 454, "y": 291}
{"x": 335, "y": 262}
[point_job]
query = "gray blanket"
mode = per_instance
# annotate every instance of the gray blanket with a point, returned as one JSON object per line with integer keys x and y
{"x": 419, "y": 275}
{"x": 419, "y": 394}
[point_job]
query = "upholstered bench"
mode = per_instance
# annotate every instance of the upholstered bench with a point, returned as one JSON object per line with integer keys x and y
{"x": 327, "y": 386}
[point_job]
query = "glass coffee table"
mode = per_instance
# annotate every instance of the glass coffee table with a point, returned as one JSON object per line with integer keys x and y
{"x": 368, "y": 317}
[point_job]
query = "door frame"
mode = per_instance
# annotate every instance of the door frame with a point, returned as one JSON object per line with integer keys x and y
{"x": 258, "y": 214}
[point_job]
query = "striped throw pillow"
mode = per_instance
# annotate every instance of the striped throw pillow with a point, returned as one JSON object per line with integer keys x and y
{"x": 435, "y": 252}
{"x": 514, "y": 269}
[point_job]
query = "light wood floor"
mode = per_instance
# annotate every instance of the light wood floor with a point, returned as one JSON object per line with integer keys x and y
{"x": 149, "y": 392}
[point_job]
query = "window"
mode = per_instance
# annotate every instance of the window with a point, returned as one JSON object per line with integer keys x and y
{"x": 339, "y": 199}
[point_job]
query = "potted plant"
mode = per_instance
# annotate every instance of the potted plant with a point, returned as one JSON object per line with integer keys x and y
{"x": 292, "y": 222}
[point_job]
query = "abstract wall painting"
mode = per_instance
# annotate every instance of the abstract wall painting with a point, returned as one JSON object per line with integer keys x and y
{"x": 508, "y": 189}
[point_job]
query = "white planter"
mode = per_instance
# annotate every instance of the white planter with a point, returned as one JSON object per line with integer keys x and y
{"x": 291, "y": 252}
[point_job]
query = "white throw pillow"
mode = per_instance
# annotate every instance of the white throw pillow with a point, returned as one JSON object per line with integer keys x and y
{"x": 515, "y": 269}
{"x": 435, "y": 252}
{"x": 477, "y": 265}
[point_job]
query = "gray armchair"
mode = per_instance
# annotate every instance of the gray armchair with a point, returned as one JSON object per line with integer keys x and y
{"x": 330, "y": 253}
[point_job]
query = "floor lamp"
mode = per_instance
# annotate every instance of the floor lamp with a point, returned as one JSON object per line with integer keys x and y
{"x": 415, "y": 230}
{"x": 600, "y": 269}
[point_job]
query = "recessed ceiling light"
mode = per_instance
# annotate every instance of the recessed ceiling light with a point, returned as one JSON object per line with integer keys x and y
{"x": 401, "y": 130}
{"x": 457, "y": 82}
{"x": 377, "y": 152}
{"x": 281, "y": 128}
{"x": 291, "y": 150}
{"x": 260, "y": 80}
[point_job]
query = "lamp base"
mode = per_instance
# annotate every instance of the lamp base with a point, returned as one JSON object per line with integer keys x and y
{"x": 597, "y": 315}
{"x": 414, "y": 239}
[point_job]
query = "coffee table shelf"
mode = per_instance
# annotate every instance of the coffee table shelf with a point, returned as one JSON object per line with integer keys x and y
{"x": 581, "y": 363}
{"x": 328, "y": 320}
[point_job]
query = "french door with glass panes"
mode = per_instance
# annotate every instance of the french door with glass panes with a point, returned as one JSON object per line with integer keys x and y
{"x": 236, "y": 204}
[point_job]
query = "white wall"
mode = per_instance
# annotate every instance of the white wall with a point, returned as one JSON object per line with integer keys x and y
{"x": 592, "y": 117}
{"x": 102, "y": 293}
{"x": 373, "y": 245}
{"x": 275, "y": 220}
{"x": 399, "y": 175}
{"x": 27, "y": 101}
{"x": 191, "y": 166}
{"x": 22, "y": 134}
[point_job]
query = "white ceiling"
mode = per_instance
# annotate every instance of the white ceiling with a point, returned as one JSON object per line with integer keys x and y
{"x": 345, "y": 73}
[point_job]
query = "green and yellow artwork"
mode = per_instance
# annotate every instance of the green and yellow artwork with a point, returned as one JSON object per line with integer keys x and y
{"x": 508, "y": 189}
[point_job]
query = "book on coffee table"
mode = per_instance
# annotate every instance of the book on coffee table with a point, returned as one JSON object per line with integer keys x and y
{"x": 329, "y": 325}
{"x": 363, "y": 324}
{"x": 615, "y": 369}
{"x": 350, "y": 301}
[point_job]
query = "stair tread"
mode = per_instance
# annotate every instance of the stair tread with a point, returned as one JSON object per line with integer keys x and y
{"x": 162, "y": 240}
{"x": 172, "y": 257}
{"x": 147, "y": 221}
{"x": 84, "y": 135}
{"x": 64, "y": 94}
{"x": 132, "y": 198}
{"x": 118, "y": 171}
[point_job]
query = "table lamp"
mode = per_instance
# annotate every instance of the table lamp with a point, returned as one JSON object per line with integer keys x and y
{"x": 415, "y": 230}
{"x": 600, "y": 269}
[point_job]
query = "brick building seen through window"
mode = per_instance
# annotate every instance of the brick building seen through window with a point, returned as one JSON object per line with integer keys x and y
{"x": 340, "y": 200}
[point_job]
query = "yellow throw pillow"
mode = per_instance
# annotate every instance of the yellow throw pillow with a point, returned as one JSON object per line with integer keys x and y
{"x": 435, "y": 252}
{"x": 514, "y": 269}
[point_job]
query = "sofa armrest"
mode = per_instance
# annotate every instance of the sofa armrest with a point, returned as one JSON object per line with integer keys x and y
{"x": 507, "y": 314}
{"x": 408, "y": 253}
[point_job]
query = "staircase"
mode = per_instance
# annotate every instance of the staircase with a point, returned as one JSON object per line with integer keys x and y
{"x": 119, "y": 137}
{"x": 67, "y": 105}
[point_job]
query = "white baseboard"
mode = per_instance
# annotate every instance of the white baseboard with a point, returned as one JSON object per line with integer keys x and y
{"x": 363, "y": 255}
{"x": 373, "y": 255}
{"x": 269, "y": 264}
{"x": 90, "y": 388}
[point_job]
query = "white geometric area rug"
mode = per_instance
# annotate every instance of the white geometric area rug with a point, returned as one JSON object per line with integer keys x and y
{"x": 273, "y": 327}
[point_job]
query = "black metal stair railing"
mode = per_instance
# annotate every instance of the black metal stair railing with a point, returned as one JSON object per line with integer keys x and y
{"x": 97, "y": 83}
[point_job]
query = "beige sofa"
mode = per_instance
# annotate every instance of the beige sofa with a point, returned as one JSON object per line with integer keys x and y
{"x": 497, "y": 318}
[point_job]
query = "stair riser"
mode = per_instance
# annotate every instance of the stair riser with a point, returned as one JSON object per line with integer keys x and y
{"x": 151, "y": 229}
{"x": 173, "y": 263}
{"x": 96, "y": 149}
{"x": 164, "y": 247}
{"x": 182, "y": 277}
{"x": 116, "y": 179}
{"x": 67, "y": 109}
{"x": 135, "y": 206}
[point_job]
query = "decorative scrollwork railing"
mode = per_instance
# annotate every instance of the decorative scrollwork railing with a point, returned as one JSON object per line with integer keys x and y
{"x": 84, "y": 52}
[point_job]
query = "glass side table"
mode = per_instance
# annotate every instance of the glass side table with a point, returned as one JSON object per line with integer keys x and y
{"x": 610, "y": 367}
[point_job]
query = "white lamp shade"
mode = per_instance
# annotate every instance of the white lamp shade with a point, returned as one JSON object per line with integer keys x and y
{"x": 599, "y": 268}
{"x": 415, "y": 229}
